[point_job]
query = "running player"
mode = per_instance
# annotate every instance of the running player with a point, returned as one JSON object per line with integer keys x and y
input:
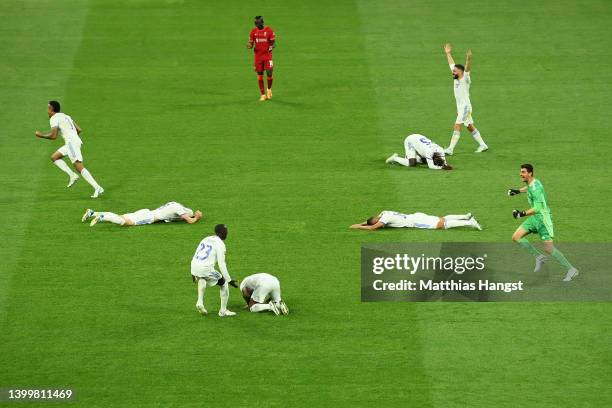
{"x": 209, "y": 252}
{"x": 419, "y": 149}
{"x": 70, "y": 131}
{"x": 264, "y": 41}
{"x": 539, "y": 221}
{"x": 261, "y": 292}
{"x": 168, "y": 212}
{"x": 392, "y": 219}
{"x": 462, "y": 82}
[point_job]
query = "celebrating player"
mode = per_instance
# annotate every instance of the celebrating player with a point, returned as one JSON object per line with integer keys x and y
{"x": 392, "y": 219}
{"x": 70, "y": 131}
{"x": 261, "y": 292}
{"x": 462, "y": 82}
{"x": 419, "y": 149}
{"x": 211, "y": 251}
{"x": 539, "y": 221}
{"x": 168, "y": 212}
{"x": 264, "y": 40}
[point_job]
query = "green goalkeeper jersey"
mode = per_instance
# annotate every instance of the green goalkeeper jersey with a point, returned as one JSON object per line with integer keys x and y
{"x": 537, "y": 200}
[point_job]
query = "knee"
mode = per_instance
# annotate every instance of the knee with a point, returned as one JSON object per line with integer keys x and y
{"x": 516, "y": 237}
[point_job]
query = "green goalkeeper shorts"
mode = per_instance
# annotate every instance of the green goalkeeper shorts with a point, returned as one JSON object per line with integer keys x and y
{"x": 535, "y": 225}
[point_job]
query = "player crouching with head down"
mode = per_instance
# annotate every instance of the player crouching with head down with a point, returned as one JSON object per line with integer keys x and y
{"x": 392, "y": 219}
{"x": 261, "y": 292}
{"x": 209, "y": 252}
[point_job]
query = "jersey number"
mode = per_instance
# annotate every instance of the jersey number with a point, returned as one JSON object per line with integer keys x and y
{"x": 203, "y": 252}
{"x": 425, "y": 141}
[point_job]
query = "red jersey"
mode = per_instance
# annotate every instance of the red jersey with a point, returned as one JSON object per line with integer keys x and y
{"x": 262, "y": 39}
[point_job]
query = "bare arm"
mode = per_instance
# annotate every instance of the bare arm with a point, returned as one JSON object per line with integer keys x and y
{"x": 77, "y": 127}
{"x": 365, "y": 226}
{"x": 447, "y": 51}
{"x": 272, "y": 45}
{"x": 52, "y": 135}
{"x": 468, "y": 60}
{"x": 197, "y": 216}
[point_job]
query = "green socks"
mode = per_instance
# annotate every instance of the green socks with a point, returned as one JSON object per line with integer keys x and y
{"x": 561, "y": 259}
{"x": 532, "y": 250}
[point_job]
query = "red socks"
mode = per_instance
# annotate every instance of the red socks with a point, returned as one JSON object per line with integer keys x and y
{"x": 269, "y": 82}
{"x": 261, "y": 84}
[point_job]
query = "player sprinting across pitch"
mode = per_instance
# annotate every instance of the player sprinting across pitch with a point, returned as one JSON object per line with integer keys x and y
{"x": 419, "y": 149}
{"x": 264, "y": 41}
{"x": 62, "y": 124}
{"x": 261, "y": 292}
{"x": 168, "y": 212}
{"x": 462, "y": 82}
{"x": 209, "y": 252}
{"x": 392, "y": 219}
{"x": 539, "y": 221}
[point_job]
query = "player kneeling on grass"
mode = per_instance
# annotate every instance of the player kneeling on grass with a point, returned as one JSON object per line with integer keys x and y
{"x": 392, "y": 219}
{"x": 168, "y": 212}
{"x": 211, "y": 251}
{"x": 261, "y": 292}
{"x": 419, "y": 149}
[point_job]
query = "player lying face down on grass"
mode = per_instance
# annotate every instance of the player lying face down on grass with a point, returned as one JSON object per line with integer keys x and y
{"x": 211, "y": 251}
{"x": 168, "y": 212}
{"x": 262, "y": 292}
{"x": 420, "y": 149}
{"x": 539, "y": 222}
{"x": 392, "y": 219}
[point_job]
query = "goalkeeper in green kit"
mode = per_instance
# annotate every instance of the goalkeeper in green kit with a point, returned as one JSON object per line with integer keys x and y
{"x": 539, "y": 221}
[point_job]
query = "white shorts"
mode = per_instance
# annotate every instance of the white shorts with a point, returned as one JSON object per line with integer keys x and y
{"x": 464, "y": 116}
{"x": 425, "y": 221}
{"x": 268, "y": 288}
{"x": 72, "y": 150}
{"x": 210, "y": 275}
{"x": 141, "y": 217}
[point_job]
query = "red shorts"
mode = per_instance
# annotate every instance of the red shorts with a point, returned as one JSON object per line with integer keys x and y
{"x": 263, "y": 64}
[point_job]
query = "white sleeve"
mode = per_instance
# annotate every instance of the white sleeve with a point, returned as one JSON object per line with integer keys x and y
{"x": 222, "y": 265}
{"x": 452, "y": 66}
{"x": 384, "y": 217}
{"x": 180, "y": 210}
{"x": 54, "y": 121}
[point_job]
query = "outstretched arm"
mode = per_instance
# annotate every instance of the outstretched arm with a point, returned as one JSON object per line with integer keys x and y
{"x": 468, "y": 60}
{"x": 52, "y": 135}
{"x": 365, "y": 226}
{"x": 447, "y": 50}
{"x": 197, "y": 216}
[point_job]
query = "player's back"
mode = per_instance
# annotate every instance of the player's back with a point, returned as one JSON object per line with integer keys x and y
{"x": 253, "y": 281}
{"x": 171, "y": 211}
{"x": 66, "y": 127}
{"x": 395, "y": 219}
{"x": 209, "y": 250}
{"x": 423, "y": 145}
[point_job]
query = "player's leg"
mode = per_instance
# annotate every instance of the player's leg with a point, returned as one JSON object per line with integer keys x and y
{"x": 482, "y": 146}
{"x": 106, "y": 216}
{"x": 201, "y": 291}
{"x": 269, "y": 69}
{"x": 58, "y": 159}
{"x": 260, "y": 80}
{"x": 78, "y": 165}
{"x": 455, "y": 221}
{"x": 409, "y": 156}
{"x": 275, "y": 296}
{"x": 519, "y": 237}
{"x": 454, "y": 139}
{"x": 224, "y": 294}
{"x": 559, "y": 257}
{"x": 458, "y": 216}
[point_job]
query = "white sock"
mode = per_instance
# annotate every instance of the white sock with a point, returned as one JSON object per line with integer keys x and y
{"x": 224, "y": 293}
{"x": 89, "y": 178}
{"x": 402, "y": 160}
{"x": 110, "y": 217}
{"x": 201, "y": 289}
{"x": 457, "y": 217}
{"x": 260, "y": 307}
{"x": 478, "y": 138}
{"x": 454, "y": 139}
{"x": 64, "y": 167}
{"x": 452, "y": 223}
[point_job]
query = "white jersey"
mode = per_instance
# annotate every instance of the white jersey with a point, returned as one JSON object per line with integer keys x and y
{"x": 462, "y": 90}
{"x": 171, "y": 211}
{"x": 423, "y": 147}
{"x": 263, "y": 286}
{"x": 66, "y": 127}
{"x": 395, "y": 219}
{"x": 211, "y": 251}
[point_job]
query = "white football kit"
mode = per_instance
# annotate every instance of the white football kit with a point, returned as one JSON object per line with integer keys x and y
{"x": 72, "y": 141}
{"x": 210, "y": 251}
{"x": 417, "y": 220}
{"x": 171, "y": 211}
{"x": 462, "y": 98}
{"x": 265, "y": 287}
{"x": 419, "y": 145}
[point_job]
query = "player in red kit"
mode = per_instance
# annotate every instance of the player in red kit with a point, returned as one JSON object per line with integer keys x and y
{"x": 263, "y": 39}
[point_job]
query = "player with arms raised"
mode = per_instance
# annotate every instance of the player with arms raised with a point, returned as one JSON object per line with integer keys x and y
{"x": 263, "y": 40}
{"x": 70, "y": 131}
{"x": 462, "y": 82}
{"x": 419, "y": 149}
{"x": 539, "y": 221}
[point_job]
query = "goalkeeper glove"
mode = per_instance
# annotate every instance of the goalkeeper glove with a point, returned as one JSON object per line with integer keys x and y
{"x": 233, "y": 283}
{"x": 519, "y": 214}
{"x": 513, "y": 191}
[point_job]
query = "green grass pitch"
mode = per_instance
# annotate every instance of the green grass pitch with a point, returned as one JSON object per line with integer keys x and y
{"x": 167, "y": 98}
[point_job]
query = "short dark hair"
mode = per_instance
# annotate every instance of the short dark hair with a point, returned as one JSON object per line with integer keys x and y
{"x": 438, "y": 160}
{"x": 460, "y": 66}
{"x": 221, "y": 230}
{"x": 259, "y": 18}
{"x": 370, "y": 220}
{"x": 55, "y": 105}
{"x": 527, "y": 167}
